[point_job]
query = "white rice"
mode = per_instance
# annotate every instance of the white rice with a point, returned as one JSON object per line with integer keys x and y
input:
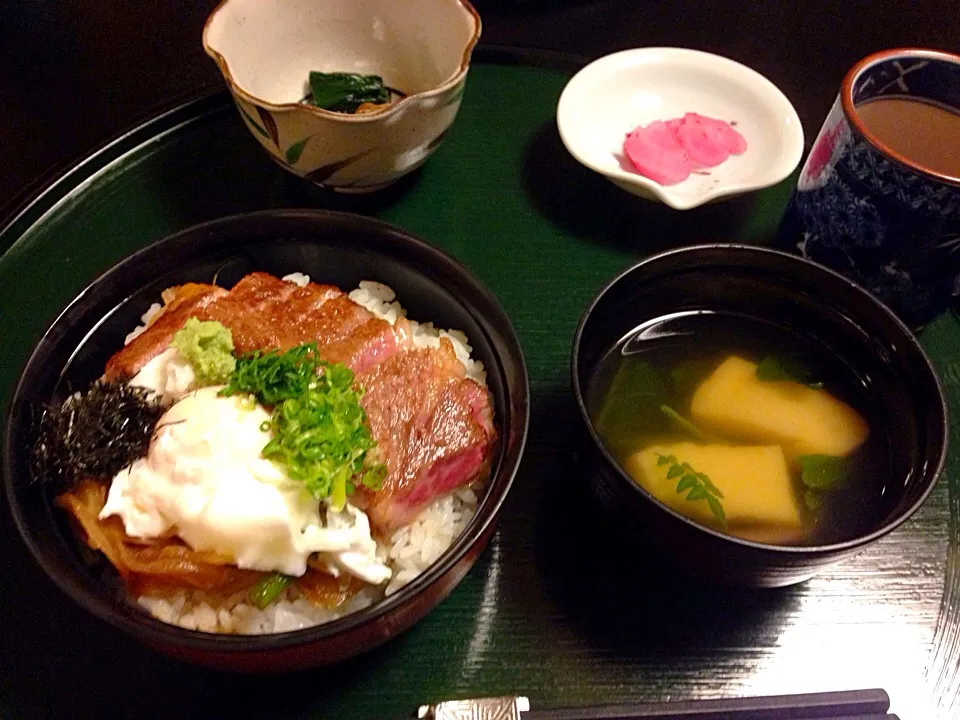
{"x": 297, "y": 279}
{"x": 409, "y": 551}
{"x": 145, "y": 321}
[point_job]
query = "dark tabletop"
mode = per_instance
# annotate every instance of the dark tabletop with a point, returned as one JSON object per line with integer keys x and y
{"x": 75, "y": 72}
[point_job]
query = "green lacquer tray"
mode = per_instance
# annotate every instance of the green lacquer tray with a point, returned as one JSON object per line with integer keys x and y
{"x": 554, "y": 609}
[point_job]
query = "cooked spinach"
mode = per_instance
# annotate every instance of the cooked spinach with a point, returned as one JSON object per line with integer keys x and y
{"x": 345, "y": 92}
{"x": 787, "y": 367}
{"x": 821, "y": 474}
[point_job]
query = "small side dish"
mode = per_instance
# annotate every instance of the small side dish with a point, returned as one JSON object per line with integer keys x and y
{"x": 676, "y": 95}
{"x": 353, "y": 135}
{"x": 273, "y": 456}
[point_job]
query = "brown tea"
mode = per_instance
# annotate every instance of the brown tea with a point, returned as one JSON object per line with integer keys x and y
{"x": 926, "y": 134}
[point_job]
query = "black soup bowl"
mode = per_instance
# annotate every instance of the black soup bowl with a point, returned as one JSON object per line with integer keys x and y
{"x": 333, "y": 248}
{"x": 795, "y": 297}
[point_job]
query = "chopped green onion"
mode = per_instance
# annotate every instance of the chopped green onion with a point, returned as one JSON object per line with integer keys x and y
{"x": 274, "y": 376}
{"x": 267, "y": 588}
{"x": 320, "y": 434}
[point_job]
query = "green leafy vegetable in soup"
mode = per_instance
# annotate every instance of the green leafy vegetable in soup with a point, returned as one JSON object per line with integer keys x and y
{"x": 346, "y": 92}
{"x": 208, "y": 347}
{"x": 640, "y": 391}
{"x": 821, "y": 474}
{"x": 682, "y": 424}
{"x": 686, "y": 375}
{"x": 787, "y": 367}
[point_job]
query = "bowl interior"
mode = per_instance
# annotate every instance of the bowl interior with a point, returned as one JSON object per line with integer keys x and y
{"x": 269, "y": 48}
{"x": 617, "y": 93}
{"x": 812, "y": 303}
{"x": 335, "y": 248}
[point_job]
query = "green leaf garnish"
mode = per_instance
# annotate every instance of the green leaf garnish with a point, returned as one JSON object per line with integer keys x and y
{"x": 345, "y": 92}
{"x": 696, "y": 485}
{"x": 716, "y": 508}
{"x": 321, "y": 438}
{"x": 320, "y": 432}
{"x": 267, "y": 588}
{"x": 787, "y": 367}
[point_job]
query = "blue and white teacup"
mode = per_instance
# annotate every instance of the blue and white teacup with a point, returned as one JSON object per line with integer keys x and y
{"x": 884, "y": 220}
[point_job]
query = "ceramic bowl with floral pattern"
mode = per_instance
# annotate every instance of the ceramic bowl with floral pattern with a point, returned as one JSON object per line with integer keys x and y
{"x": 420, "y": 48}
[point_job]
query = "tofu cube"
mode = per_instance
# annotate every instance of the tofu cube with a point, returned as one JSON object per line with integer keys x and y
{"x": 802, "y": 420}
{"x": 758, "y": 493}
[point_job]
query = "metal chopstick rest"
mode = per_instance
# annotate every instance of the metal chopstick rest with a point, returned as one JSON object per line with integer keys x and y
{"x": 496, "y": 708}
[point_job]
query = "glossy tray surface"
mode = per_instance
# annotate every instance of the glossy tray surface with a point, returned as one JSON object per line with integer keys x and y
{"x": 556, "y": 608}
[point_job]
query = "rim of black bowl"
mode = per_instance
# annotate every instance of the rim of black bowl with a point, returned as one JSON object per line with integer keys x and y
{"x": 158, "y": 632}
{"x": 797, "y": 260}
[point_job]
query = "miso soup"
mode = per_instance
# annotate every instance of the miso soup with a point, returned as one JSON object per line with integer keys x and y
{"x": 746, "y": 428}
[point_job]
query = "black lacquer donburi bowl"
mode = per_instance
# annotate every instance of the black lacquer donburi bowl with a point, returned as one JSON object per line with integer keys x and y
{"x": 334, "y": 248}
{"x": 802, "y": 298}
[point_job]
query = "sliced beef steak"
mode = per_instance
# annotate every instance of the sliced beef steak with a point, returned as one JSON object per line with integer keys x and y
{"x": 264, "y": 312}
{"x": 433, "y": 427}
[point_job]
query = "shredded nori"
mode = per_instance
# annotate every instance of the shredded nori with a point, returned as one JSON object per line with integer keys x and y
{"x": 94, "y": 434}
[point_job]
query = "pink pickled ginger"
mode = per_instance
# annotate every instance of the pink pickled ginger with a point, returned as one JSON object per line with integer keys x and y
{"x": 657, "y": 154}
{"x": 667, "y": 152}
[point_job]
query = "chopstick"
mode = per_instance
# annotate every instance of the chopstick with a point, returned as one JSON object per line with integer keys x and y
{"x": 846, "y": 705}
{"x": 872, "y": 704}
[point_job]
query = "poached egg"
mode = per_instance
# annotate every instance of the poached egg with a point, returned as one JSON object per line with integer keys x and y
{"x": 204, "y": 477}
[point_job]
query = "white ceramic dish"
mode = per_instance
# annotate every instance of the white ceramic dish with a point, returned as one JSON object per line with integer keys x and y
{"x": 266, "y": 51}
{"x": 613, "y": 95}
